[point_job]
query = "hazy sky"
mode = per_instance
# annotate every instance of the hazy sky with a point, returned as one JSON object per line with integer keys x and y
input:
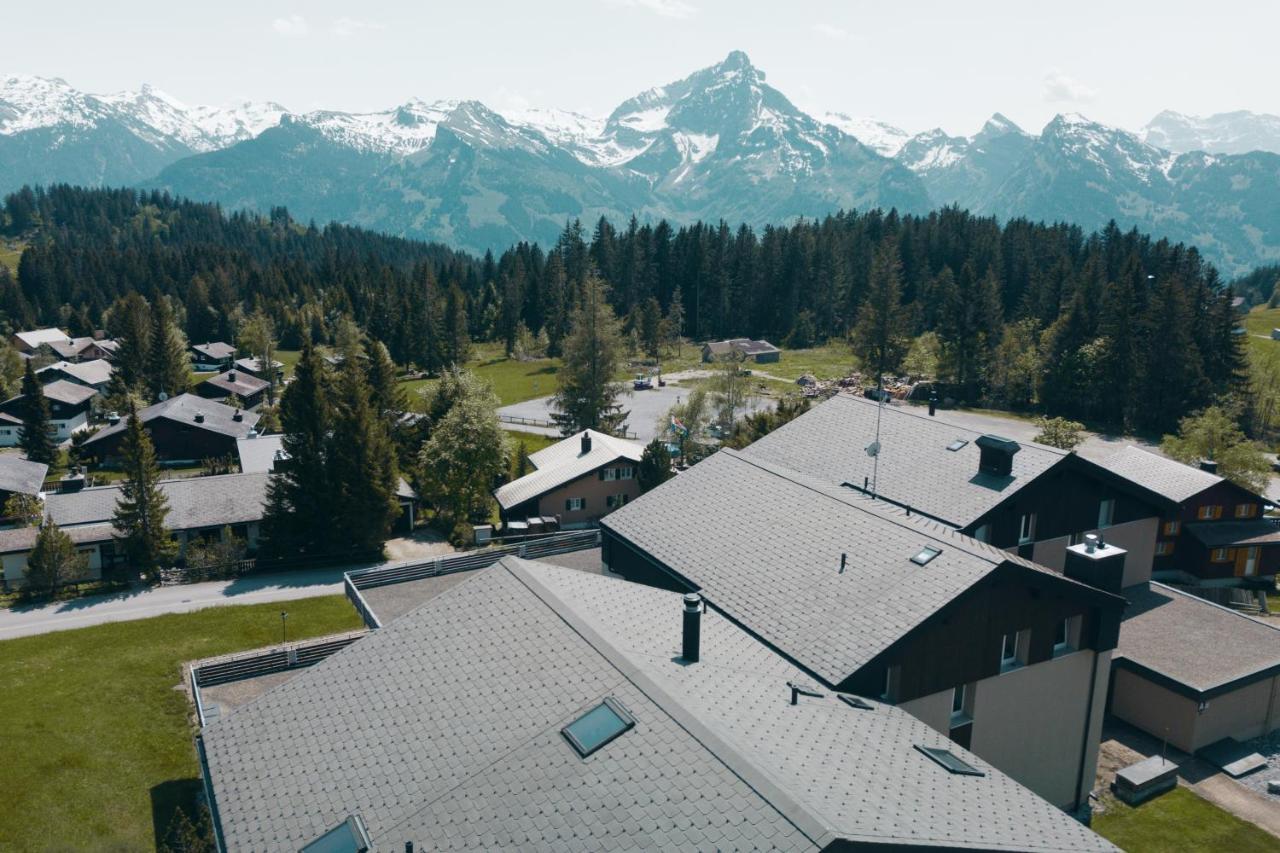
{"x": 917, "y": 64}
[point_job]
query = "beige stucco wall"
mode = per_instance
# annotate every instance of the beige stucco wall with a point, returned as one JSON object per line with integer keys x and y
{"x": 1248, "y": 712}
{"x": 1156, "y": 710}
{"x": 1029, "y": 723}
{"x": 933, "y": 710}
{"x": 591, "y": 488}
{"x": 1138, "y": 538}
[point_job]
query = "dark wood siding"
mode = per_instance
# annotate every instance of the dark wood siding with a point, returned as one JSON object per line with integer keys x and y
{"x": 173, "y": 441}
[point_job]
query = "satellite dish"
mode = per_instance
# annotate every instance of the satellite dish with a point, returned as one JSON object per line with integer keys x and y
{"x": 873, "y": 449}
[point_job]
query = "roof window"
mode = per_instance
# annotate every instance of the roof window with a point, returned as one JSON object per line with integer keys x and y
{"x": 350, "y": 836}
{"x": 598, "y": 726}
{"x": 950, "y": 760}
{"x": 855, "y": 702}
{"x": 925, "y": 554}
{"x": 957, "y": 444}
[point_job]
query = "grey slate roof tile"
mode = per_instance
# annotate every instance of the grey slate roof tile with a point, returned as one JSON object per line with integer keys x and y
{"x": 194, "y": 502}
{"x": 20, "y": 475}
{"x": 1162, "y": 475}
{"x": 444, "y": 728}
{"x": 218, "y": 417}
{"x": 828, "y": 443}
{"x": 752, "y": 534}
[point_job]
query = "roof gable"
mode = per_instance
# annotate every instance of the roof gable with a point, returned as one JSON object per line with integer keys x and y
{"x": 564, "y": 462}
{"x": 1168, "y": 477}
{"x": 766, "y": 546}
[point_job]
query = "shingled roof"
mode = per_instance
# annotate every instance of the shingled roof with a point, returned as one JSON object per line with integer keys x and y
{"x": 21, "y": 476}
{"x": 766, "y": 544}
{"x": 217, "y": 417}
{"x": 1193, "y": 645}
{"x": 194, "y": 502}
{"x": 916, "y": 467}
{"x": 237, "y": 382}
{"x": 444, "y": 728}
{"x": 1160, "y": 474}
{"x": 96, "y": 372}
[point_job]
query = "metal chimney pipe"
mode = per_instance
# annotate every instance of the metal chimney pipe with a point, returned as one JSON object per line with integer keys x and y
{"x": 933, "y": 402}
{"x": 692, "y": 627}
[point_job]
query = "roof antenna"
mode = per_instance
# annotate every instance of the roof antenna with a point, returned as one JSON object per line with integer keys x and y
{"x": 873, "y": 449}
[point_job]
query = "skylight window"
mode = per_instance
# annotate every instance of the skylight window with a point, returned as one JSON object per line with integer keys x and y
{"x": 950, "y": 760}
{"x": 598, "y": 726}
{"x": 856, "y": 702}
{"x": 350, "y": 836}
{"x": 957, "y": 444}
{"x": 925, "y": 554}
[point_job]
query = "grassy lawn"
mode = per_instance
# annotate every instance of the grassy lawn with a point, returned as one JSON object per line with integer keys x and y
{"x": 533, "y": 442}
{"x": 96, "y": 740}
{"x": 830, "y": 361}
{"x": 513, "y": 381}
{"x": 1261, "y": 320}
{"x": 10, "y": 255}
{"x": 1179, "y": 821}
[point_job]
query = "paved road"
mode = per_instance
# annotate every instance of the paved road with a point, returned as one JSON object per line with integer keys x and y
{"x": 23, "y": 621}
{"x": 646, "y": 408}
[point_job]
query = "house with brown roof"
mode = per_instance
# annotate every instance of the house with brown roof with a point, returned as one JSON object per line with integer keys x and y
{"x": 95, "y": 374}
{"x": 234, "y": 386}
{"x": 214, "y": 355}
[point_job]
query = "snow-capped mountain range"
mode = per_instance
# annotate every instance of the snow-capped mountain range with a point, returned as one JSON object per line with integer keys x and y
{"x": 718, "y": 144}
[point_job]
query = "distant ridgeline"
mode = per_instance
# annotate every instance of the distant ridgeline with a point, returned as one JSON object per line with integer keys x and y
{"x": 1109, "y": 326}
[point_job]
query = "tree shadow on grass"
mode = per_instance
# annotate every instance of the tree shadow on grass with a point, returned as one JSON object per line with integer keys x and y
{"x": 171, "y": 803}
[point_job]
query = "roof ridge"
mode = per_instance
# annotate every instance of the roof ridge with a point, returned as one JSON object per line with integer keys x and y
{"x": 911, "y": 412}
{"x": 751, "y": 773}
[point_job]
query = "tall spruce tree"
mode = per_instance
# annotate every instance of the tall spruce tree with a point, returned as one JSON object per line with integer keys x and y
{"x": 54, "y": 560}
{"x": 34, "y": 435}
{"x": 168, "y": 367}
{"x": 457, "y": 341}
{"x": 142, "y": 507}
{"x": 298, "y": 521}
{"x": 882, "y": 335}
{"x": 588, "y": 395}
{"x": 361, "y": 465}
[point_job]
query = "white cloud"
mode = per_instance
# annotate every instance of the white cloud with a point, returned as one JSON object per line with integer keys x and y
{"x": 294, "y": 26}
{"x": 832, "y": 32}
{"x": 665, "y": 8}
{"x": 345, "y": 27}
{"x": 1062, "y": 87}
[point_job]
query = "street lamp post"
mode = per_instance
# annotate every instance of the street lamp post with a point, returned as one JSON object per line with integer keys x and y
{"x": 284, "y": 629}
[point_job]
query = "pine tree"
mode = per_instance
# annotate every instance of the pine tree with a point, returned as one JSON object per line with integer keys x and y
{"x": 361, "y": 465}
{"x": 675, "y": 319}
{"x": 54, "y": 560}
{"x": 129, "y": 322}
{"x": 587, "y": 396}
{"x": 882, "y": 335}
{"x": 650, "y": 326}
{"x": 142, "y": 507}
{"x": 655, "y": 465}
{"x": 298, "y": 520}
{"x": 168, "y": 367}
{"x": 34, "y": 436}
{"x": 457, "y": 342}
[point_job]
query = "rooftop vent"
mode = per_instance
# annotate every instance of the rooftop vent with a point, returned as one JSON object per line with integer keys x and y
{"x": 599, "y": 726}
{"x": 996, "y": 454}
{"x": 586, "y": 442}
{"x": 950, "y": 760}
{"x": 1209, "y": 465}
{"x": 238, "y": 416}
{"x": 925, "y": 554}
{"x": 957, "y": 444}
{"x": 199, "y": 417}
{"x": 692, "y": 628}
{"x": 231, "y": 376}
{"x": 798, "y": 690}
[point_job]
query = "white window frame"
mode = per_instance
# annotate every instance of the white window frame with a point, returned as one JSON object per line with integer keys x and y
{"x": 1021, "y": 640}
{"x": 575, "y": 504}
{"x": 627, "y": 472}
{"x": 1027, "y": 528}
{"x": 983, "y": 533}
{"x": 960, "y": 716}
{"x": 1106, "y": 513}
{"x": 1070, "y": 628}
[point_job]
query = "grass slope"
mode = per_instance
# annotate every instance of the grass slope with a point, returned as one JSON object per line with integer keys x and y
{"x": 1179, "y": 821}
{"x": 97, "y": 748}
